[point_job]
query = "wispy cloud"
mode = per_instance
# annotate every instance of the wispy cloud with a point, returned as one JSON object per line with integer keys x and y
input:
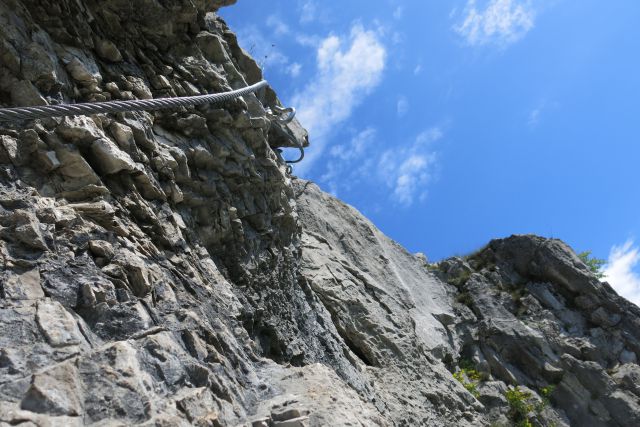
{"x": 263, "y": 49}
{"x": 348, "y": 163}
{"x": 308, "y": 11}
{"x": 398, "y": 13}
{"x": 266, "y": 51}
{"x": 279, "y": 28}
{"x": 534, "y": 117}
{"x": 401, "y": 175}
{"x": 356, "y": 147}
{"x": 501, "y": 22}
{"x": 308, "y": 40}
{"x": 408, "y": 170}
{"x": 542, "y": 110}
{"x": 619, "y": 271}
{"x": 294, "y": 69}
{"x": 348, "y": 68}
{"x": 403, "y": 106}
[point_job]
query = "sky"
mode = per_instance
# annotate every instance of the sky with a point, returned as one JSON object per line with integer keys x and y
{"x": 451, "y": 123}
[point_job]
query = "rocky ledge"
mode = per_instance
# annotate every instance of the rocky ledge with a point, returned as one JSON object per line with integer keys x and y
{"x": 164, "y": 268}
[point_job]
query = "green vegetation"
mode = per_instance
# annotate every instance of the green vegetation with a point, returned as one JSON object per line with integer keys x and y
{"x": 516, "y": 295}
{"x": 470, "y": 385}
{"x": 594, "y": 264}
{"x": 547, "y": 391}
{"x": 520, "y": 406}
{"x": 460, "y": 280}
{"x": 469, "y": 377}
{"x": 466, "y": 363}
{"x": 475, "y": 253}
{"x": 482, "y": 260}
{"x": 465, "y": 298}
{"x": 433, "y": 267}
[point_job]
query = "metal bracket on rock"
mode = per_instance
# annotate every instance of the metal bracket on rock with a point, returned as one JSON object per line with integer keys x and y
{"x": 290, "y": 114}
{"x": 281, "y": 118}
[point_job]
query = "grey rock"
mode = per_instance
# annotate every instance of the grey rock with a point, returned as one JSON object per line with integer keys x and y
{"x": 55, "y": 391}
{"x": 294, "y": 422}
{"x": 81, "y": 66}
{"x": 80, "y": 129}
{"x": 38, "y": 64}
{"x": 10, "y": 56}
{"x": 627, "y": 356}
{"x": 212, "y": 47}
{"x": 123, "y": 135}
{"x": 25, "y": 94}
{"x": 22, "y": 286}
{"x": 108, "y": 50}
{"x": 100, "y": 248}
{"x": 601, "y": 317}
{"x": 628, "y": 375}
{"x": 110, "y": 159}
{"x": 58, "y": 326}
{"x": 49, "y": 160}
{"x": 285, "y": 414}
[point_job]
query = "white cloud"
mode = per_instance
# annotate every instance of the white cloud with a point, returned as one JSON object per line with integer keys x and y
{"x": 407, "y": 171}
{"x": 348, "y": 69}
{"x": 619, "y": 271}
{"x": 417, "y": 70}
{"x": 403, "y": 106}
{"x": 278, "y": 27}
{"x": 294, "y": 69}
{"x": 501, "y": 22}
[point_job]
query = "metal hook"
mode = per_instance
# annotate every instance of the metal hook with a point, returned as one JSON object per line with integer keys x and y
{"x": 291, "y": 113}
{"x": 299, "y": 159}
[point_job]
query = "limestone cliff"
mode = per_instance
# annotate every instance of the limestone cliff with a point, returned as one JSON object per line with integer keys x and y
{"x": 164, "y": 268}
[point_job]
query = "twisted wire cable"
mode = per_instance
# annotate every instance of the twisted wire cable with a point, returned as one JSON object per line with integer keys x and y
{"x": 41, "y": 112}
{"x": 87, "y": 108}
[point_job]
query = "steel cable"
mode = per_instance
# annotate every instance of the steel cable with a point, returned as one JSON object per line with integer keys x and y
{"x": 41, "y": 112}
{"x": 87, "y": 108}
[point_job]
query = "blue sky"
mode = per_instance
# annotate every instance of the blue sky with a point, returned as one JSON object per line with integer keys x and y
{"x": 452, "y": 123}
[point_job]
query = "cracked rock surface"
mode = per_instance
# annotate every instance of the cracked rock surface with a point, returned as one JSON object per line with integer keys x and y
{"x": 163, "y": 268}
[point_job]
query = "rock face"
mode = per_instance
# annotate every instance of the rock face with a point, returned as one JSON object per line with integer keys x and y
{"x": 164, "y": 269}
{"x": 530, "y": 313}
